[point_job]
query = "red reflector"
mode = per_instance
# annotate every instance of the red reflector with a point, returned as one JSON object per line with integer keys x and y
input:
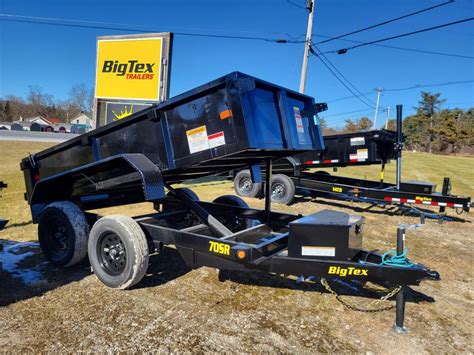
{"x": 37, "y": 177}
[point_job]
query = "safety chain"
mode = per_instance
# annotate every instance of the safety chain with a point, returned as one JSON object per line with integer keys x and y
{"x": 373, "y": 303}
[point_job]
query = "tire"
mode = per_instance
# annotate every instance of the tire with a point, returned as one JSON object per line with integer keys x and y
{"x": 283, "y": 189}
{"x": 63, "y": 232}
{"x": 244, "y": 186}
{"x": 173, "y": 204}
{"x": 234, "y": 223}
{"x": 118, "y": 251}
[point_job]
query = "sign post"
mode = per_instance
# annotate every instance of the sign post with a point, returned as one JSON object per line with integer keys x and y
{"x": 132, "y": 72}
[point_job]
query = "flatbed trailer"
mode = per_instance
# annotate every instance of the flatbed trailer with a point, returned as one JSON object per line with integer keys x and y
{"x": 233, "y": 122}
{"x": 376, "y": 147}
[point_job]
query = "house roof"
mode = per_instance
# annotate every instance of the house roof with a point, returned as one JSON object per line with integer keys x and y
{"x": 53, "y": 120}
{"x": 81, "y": 115}
{"x": 34, "y": 118}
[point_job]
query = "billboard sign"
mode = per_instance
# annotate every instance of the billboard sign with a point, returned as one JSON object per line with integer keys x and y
{"x": 131, "y": 68}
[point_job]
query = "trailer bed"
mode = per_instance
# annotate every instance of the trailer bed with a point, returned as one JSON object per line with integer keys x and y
{"x": 410, "y": 193}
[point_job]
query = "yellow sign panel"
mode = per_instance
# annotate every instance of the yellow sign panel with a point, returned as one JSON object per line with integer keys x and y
{"x": 129, "y": 68}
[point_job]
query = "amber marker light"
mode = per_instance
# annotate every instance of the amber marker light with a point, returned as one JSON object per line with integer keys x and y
{"x": 241, "y": 254}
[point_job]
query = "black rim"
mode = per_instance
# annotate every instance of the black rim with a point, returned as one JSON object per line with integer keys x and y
{"x": 245, "y": 184}
{"x": 111, "y": 253}
{"x": 57, "y": 241}
{"x": 278, "y": 191}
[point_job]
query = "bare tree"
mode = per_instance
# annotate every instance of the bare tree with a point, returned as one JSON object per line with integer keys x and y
{"x": 79, "y": 97}
{"x": 40, "y": 102}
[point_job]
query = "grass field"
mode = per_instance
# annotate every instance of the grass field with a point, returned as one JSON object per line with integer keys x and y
{"x": 180, "y": 310}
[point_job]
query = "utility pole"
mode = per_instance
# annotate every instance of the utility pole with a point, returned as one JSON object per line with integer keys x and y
{"x": 388, "y": 116}
{"x": 310, "y": 5}
{"x": 379, "y": 90}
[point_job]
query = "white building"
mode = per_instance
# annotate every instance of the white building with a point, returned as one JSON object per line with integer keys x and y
{"x": 6, "y": 125}
{"x": 83, "y": 120}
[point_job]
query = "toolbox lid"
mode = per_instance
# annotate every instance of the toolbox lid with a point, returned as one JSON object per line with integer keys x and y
{"x": 420, "y": 183}
{"x": 328, "y": 218}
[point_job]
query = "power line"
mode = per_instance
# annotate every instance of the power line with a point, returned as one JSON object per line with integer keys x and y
{"x": 106, "y": 26}
{"x": 418, "y": 86}
{"x": 295, "y": 5}
{"x": 401, "y": 48}
{"x": 78, "y": 24}
{"x": 349, "y": 112}
{"x": 358, "y": 94}
{"x": 432, "y": 85}
{"x": 386, "y": 22}
{"x": 347, "y": 97}
{"x": 345, "y": 50}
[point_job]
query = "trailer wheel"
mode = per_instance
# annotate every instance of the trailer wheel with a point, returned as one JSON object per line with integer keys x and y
{"x": 63, "y": 232}
{"x": 234, "y": 223}
{"x": 244, "y": 186}
{"x": 283, "y": 189}
{"x": 118, "y": 251}
{"x": 173, "y": 204}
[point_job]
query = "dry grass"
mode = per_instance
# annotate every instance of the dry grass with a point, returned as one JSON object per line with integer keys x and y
{"x": 179, "y": 310}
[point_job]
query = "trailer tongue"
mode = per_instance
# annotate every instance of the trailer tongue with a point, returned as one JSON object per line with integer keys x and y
{"x": 233, "y": 122}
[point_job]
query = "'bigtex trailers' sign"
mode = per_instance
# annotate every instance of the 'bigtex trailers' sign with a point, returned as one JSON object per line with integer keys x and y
{"x": 129, "y": 68}
{"x": 132, "y": 69}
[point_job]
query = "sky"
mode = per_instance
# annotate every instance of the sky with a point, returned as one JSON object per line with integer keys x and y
{"x": 56, "y": 57}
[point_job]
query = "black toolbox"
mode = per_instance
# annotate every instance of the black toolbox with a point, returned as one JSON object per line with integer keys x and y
{"x": 326, "y": 235}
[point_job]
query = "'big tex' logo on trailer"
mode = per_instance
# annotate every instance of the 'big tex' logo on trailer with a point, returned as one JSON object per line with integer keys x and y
{"x": 129, "y": 68}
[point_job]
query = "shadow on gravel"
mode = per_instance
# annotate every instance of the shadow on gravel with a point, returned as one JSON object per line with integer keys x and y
{"x": 342, "y": 288}
{"x": 25, "y": 273}
{"x": 169, "y": 265}
{"x": 21, "y": 224}
{"x": 164, "y": 267}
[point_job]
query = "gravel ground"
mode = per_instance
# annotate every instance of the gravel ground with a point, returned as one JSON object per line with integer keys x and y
{"x": 175, "y": 309}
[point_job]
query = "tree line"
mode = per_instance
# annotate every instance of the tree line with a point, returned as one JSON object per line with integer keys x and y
{"x": 39, "y": 103}
{"x": 431, "y": 129}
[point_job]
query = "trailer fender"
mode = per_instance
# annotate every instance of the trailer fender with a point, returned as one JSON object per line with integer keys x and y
{"x": 88, "y": 184}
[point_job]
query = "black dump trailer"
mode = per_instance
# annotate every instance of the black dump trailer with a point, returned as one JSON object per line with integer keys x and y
{"x": 353, "y": 149}
{"x": 292, "y": 175}
{"x": 233, "y": 122}
{"x": 3, "y": 222}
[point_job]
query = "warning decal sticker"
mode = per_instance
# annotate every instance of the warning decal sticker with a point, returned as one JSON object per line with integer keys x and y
{"x": 362, "y": 154}
{"x": 197, "y": 139}
{"x": 216, "y": 139}
{"x": 299, "y": 120}
{"x": 299, "y": 125}
{"x": 318, "y": 251}
{"x": 357, "y": 141}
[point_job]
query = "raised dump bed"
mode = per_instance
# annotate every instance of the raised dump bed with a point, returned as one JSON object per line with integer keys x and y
{"x": 358, "y": 148}
{"x": 229, "y": 123}
{"x": 234, "y": 122}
